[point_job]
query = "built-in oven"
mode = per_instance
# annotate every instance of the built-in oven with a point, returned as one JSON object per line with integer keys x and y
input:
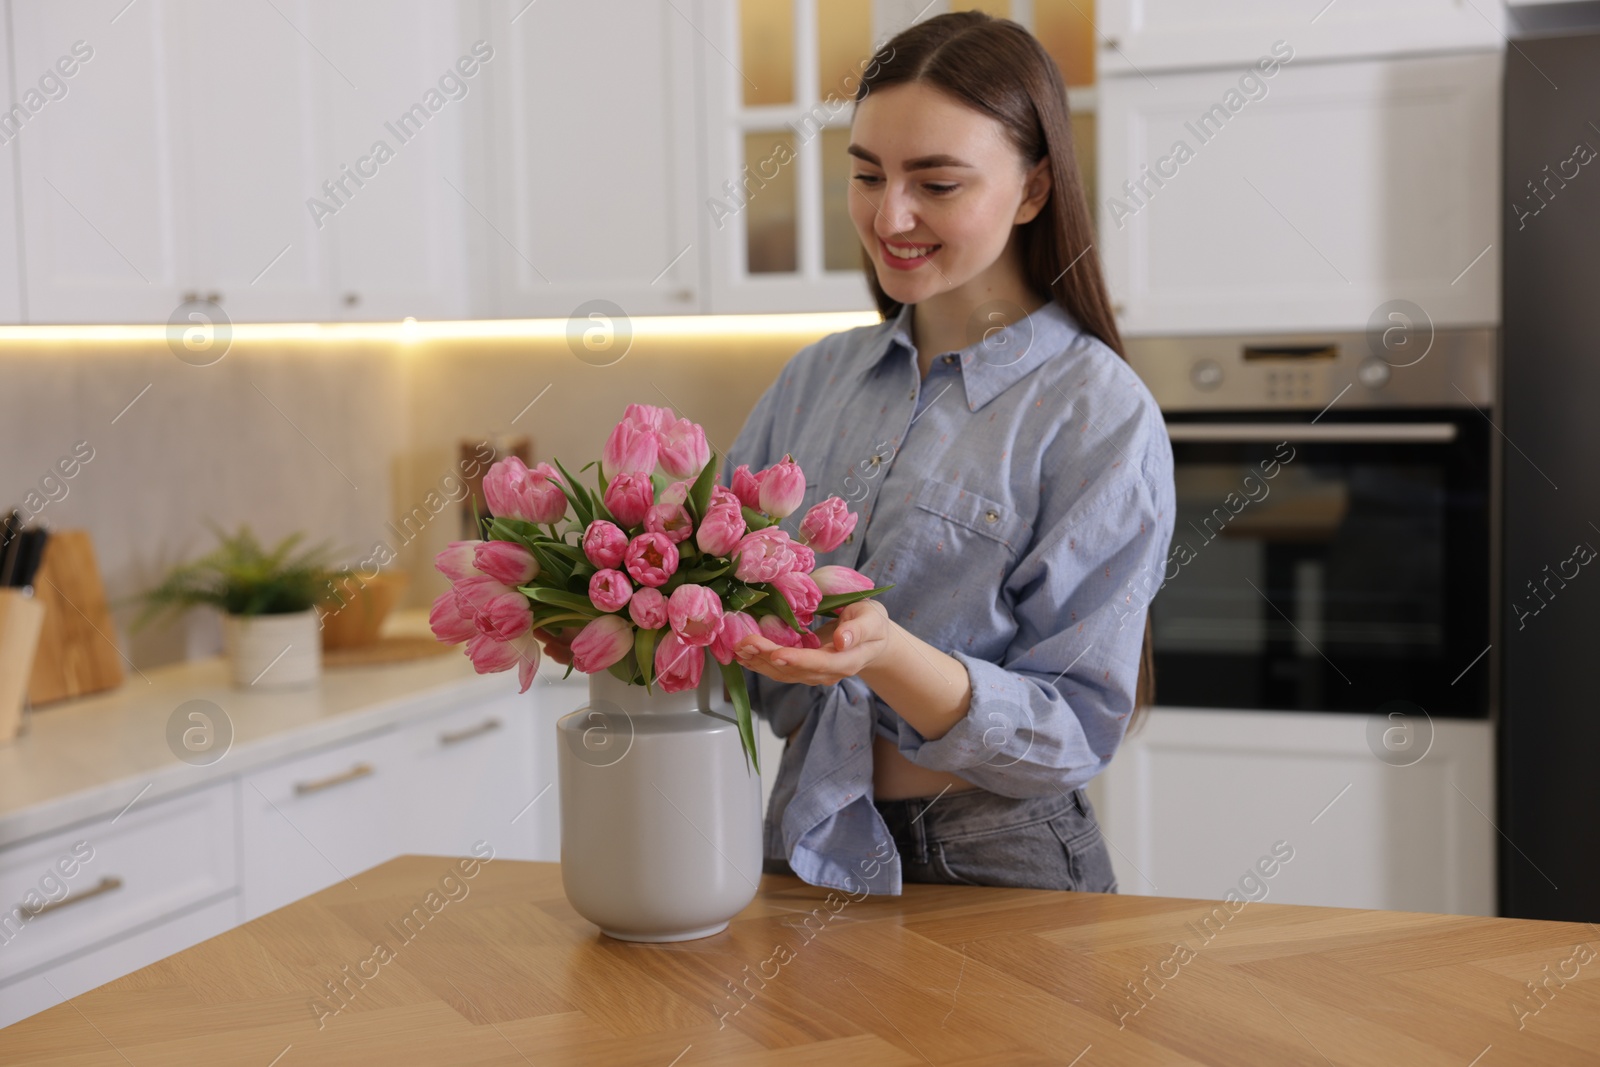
{"x": 1332, "y": 546}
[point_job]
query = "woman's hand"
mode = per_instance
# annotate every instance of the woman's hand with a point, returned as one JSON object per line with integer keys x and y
{"x": 849, "y": 645}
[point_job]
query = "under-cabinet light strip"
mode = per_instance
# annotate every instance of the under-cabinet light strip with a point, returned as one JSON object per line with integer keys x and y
{"x": 411, "y": 331}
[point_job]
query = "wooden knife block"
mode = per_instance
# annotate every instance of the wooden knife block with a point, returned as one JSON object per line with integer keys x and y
{"x": 77, "y": 646}
{"x": 20, "y": 620}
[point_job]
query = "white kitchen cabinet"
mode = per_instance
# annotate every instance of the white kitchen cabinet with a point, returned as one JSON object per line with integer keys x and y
{"x": 100, "y": 165}
{"x": 217, "y": 151}
{"x": 11, "y": 253}
{"x": 592, "y": 159}
{"x": 480, "y": 774}
{"x": 175, "y": 167}
{"x": 322, "y": 818}
{"x": 775, "y": 186}
{"x": 140, "y": 948}
{"x": 1198, "y": 797}
{"x": 247, "y": 115}
{"x": 399, "y": 219}
{"x": 1345, "y": 186}
{"x": 1143, "y": 37}
{"x": 99, "y": 899}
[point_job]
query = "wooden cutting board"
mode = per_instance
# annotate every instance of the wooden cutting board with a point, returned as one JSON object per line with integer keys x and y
{"x": 77, "y": 646}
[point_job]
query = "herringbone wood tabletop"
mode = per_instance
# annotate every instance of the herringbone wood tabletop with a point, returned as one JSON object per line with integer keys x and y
{"x": 416, "y": 962}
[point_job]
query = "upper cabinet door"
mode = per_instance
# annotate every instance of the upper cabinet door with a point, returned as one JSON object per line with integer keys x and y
{"x": 173, "y": 161}
{"x": 99, "y": 161}
{"x": 1144, "y": 36}
{"x": 404, "y": 88}
{"x": 1336, "y": 188}
{"x": 592, "y": 158}
{"x": 246, "y": 112}
{"x": 779, "y": 79}
{"x": 11, "y": 251}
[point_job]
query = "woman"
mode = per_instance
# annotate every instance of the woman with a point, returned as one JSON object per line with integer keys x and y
{"x": 1012, "y": 476}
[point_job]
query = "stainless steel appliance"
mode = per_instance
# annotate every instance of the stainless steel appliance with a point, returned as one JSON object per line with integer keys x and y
{"x": 1332, "y": 546}
{"x": 1549, "y": 733}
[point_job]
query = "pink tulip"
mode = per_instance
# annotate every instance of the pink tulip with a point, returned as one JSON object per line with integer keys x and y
{"x": 721, "y": 529}
{"x": 736, "y": 626}
{"x": 651, "y": 558}
{"x": 646, "y": 417}
{"x": 763, "y": 555}
{"x": 678, "y": 665}
{"x": 506, "y": 562}
{"x": 801, "y": 593}
{"x": 834, "y": 580}
{"x": 695, "y": 613}
{"x": 676, "y": 492}
{"x": 514, "y": 491}
{"x": 628, "y": 497}
{"x": 684, "y": 451}
{"x": 827, "y": 524}
{"x": 455, "y": 562}
{"x": 610, "y": 590}
{"x": 805, "y": 560}
{"x": 603, "y": 543}
{"x": 489, "y": 656}
{"x": 782, "y": 486}
{"x": 601, "y": 643}
{"x": 777, "y": 631}
{"x": 447, "y": 621}
{"x": 747, "y": 487}
{"x": 504, "y": 617}
{"x": 631, "y": 449}
{"x": 648, "y": 608}
{"x": 721, "y": 496}
{"x": 670, "y": 519}
{"x": 478, "y": 590}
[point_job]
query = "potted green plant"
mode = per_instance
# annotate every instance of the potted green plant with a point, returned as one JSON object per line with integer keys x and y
{"x": 268, "y": 599}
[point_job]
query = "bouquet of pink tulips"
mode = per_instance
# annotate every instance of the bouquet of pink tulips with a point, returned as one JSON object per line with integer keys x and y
{"x": 649, "y": 571}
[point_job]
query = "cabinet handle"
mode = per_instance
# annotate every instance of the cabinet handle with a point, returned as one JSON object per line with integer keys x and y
{"x": 352, "y": 299}
{"x": 360, "y": 770}
{"x": 470, "y": 732}
{"x": 106, "y": 885}
{"x": 214, "y": 298}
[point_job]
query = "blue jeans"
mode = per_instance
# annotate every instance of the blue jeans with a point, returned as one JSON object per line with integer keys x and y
{"x": 975, "y": 837}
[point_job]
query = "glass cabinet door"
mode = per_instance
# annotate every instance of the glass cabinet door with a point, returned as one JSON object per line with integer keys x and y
{"x": 781, "y": 78}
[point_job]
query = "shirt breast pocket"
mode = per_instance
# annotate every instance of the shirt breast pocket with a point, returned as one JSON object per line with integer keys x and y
{"x": 966, "y": 525}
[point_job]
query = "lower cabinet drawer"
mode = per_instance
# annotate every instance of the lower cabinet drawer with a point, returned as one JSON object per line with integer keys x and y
{"x": 45, "y": 989}
{"x": 321, "y": 819}
{"x": 82, "y": 887}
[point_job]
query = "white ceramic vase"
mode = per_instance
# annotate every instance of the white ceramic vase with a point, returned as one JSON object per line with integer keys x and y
{"x": 660, "y": 811}
{"x": 273, "y": 651}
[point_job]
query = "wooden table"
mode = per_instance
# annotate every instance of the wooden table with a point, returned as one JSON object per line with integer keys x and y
{"x": 498, "y": 969}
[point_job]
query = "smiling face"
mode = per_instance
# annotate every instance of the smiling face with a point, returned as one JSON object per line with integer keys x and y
{"x": 937, "y": 191}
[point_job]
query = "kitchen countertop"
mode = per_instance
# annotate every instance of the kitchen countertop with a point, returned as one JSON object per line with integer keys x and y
{"x": 82, "y": 758}
{"x": 503, "y": 971}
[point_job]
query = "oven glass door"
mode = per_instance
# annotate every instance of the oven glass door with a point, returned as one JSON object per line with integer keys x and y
{"x": 1329, "y": 567}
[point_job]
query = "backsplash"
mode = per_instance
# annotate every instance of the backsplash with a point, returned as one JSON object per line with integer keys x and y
{"x": 352, "y": 441}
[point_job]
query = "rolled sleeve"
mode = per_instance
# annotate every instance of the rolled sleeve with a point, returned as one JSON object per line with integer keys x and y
{"x": 1051, "y": 713}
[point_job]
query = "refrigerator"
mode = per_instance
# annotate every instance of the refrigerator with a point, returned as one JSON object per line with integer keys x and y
{"x": 1548, "y": 794}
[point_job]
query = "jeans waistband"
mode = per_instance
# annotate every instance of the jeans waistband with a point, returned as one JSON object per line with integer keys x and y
{"x": 973, "y": 811}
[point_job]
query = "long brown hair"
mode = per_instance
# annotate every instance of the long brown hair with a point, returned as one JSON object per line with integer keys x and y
{"x": 998, "y": 68}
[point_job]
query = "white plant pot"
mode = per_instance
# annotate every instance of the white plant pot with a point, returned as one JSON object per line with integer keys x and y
{"x": 273, "y": 651}
{"x": 660, "y": 811}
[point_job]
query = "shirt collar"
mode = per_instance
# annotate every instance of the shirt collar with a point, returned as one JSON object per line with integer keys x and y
{"x": 993, "y": 364}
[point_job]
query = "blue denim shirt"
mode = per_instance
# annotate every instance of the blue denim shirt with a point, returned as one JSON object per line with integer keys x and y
{"x": 1011, "y": 497}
